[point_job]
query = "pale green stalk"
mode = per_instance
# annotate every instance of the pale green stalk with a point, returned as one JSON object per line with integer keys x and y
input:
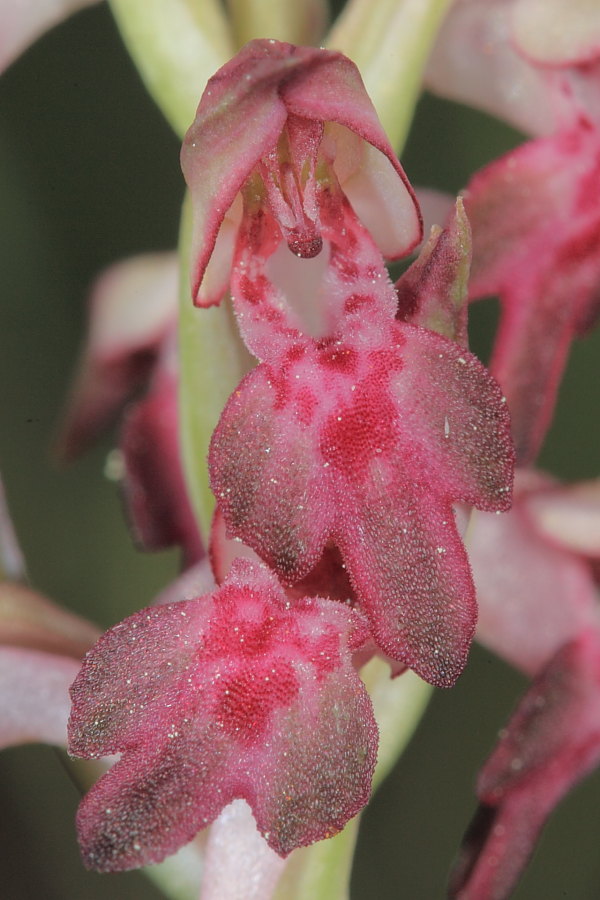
{"x": 176, "y": 45}
{"x": 390, "y": 41}
{"x": 322, "y": 872}
{"x": 213, "y": 361}
{"x": 299, "y": 22}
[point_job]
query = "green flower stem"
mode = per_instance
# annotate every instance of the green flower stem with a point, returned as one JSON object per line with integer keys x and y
{"x": 176, "y": 45}
{"x": 300, "y": 22}
{"x": 322, "y": 872}
{"x": 213, "y": 360}
{"x": 390, "y": 42}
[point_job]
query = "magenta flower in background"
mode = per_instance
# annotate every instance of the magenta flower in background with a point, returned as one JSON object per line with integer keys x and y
{"x": 536, "y": 226}
{"x": 539, "y": 610}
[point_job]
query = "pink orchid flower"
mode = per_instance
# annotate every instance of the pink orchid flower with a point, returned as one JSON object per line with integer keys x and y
{"x": 233, "y": 694}
{"x": 364, "y": 440}
{"x": 131, "y": 347}
{"x": 539, "y": 610}
{"x": 273, "y": 124}
{"x": 536, "y": 229}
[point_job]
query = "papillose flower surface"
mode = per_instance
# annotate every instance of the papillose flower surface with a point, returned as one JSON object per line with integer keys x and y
{"x": 234, "y": 694}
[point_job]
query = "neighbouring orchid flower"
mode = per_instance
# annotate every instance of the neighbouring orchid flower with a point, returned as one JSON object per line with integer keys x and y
{"x": 274, "y": 125}
{"x": 551, "y": 743}
{"x": 132, "y": 314}
{"x": 364, "y": 440}
{"x": 131, "y": 346}
{"x": 536, "y": 244}
{"x": 535, "y": 587}
{"x": 236, "y": 694}
{"x": 539, "y": 610}
{"x": 536, "y": 227}
{"x": 524, "y": 61}
{"x": 158, "y": 506}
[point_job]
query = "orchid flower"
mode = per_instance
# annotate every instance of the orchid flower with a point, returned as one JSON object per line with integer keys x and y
{"x": 131, "y": 345}
{"x": 209, "y": 700}
{"x": 540, "y": 611}
{"x": 278, "y": 122}
{"x": 358, "y": 430}
{"x": 535, "y": 231}
{"x": 353, "y": 454}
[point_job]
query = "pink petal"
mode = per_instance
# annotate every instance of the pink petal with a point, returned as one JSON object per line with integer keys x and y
{"x": 23, "y": 21}
{"x": 533, "y": 596}
{"x": 239, "y": 121}
{"x": 234, "y": 695}
{"x": 551, "y": 743}
{"x": 434, "y": 291}
{"x": 278, "y": 299}
{"x": 133, "y": 308}
{"x": 550, "y": 33}
{"x": 34, "y": 696}
{"x": 475, "y": 62}
{"x": 156, "y": 497}
{"x": 336, "y": 443}
{"x": 536, "y": 242}
{"x": 29, "y": 620}
{"x": 569, "y": 516}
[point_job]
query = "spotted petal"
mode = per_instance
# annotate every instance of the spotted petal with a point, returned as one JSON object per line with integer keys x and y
{"x": 233, "y": 695}
{"x": 369, "y": 449}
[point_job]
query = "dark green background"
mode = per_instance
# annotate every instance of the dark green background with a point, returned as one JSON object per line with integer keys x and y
{"x": 89, "y": 174}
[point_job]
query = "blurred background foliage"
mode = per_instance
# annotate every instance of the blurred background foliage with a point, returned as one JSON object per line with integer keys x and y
{"x": 89, "y": 174}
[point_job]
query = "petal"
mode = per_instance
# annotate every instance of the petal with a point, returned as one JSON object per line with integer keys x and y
{"x": 569, "y": 516}
{"x": 368, "y": 170}
{"x": 551, "y": 742}
{"x": 240, "y": 118}
{"x": 549, "y": 33}
{"x": 536, "y": 242}
{"x": 29, "y": 620}
{"x": 156, "y": 497}
{"x": 21, "y": 23}
{"x": 266, "y": 486}
{"x": 533, "y": 596}
{"x": 410, "y": 571}
{"x": 474, "y": 62}
{"x": 310, "y": 450}
{"x": 34, "y": 696}
{"x": 434, "y": 291}
{"x": 133, "y": 307}
{"x": 455, "y": 416}
{"x": 234, "y": 695}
